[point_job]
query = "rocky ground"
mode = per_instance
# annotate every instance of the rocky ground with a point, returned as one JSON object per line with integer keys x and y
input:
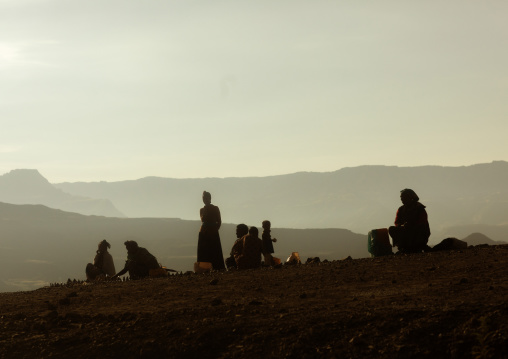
{"x": 440, "y": 305}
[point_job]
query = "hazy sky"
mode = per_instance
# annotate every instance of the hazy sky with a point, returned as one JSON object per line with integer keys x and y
{"x": 120, "y": 89}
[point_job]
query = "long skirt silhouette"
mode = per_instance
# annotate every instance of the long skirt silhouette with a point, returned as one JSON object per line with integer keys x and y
{"x": 209, "y": 246}
{"x": 210, "y": 249}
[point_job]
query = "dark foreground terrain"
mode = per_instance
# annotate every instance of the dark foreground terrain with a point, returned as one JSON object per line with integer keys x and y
{"x": 440, "y": 305}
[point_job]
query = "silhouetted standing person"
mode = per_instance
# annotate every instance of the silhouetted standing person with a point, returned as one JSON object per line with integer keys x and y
{"x": 209, "y": 246}
{"x": 267, "y": 241}
{"x": 411, "y": 231}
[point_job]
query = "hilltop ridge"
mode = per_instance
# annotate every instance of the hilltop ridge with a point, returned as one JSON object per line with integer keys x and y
{"x": 441, "y": 305}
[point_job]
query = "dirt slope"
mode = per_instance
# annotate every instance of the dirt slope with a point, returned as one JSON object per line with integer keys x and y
{"x": 441, "y": 305}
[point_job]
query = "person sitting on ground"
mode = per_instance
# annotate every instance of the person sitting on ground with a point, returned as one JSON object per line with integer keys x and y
{"x": 241, "y": 230}
{"x": 139, "y": 262}
{"x": 248, "y": 250}
{"x": 411, "y": 231}
{"x": 267, "y": 242}
{"x": 103, "y": 264}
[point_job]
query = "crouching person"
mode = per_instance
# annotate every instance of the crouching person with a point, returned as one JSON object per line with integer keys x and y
{"x": 103, "y": 264}
{"x": 247, "y": 251}
{"x": 411, "y": 231}
{"x": 139, "y": 262}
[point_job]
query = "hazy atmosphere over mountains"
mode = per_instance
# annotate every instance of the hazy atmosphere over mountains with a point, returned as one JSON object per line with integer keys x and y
{"x": 114, "y": 90}
{"x": 54, "y": 244}
{"x": 116, "y": 115}
{"x": 29, "y": 187}
{"x": 358, "y": 198}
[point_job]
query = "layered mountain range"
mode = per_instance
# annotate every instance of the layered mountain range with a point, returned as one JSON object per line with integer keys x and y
{"x": 359, "y": 198}
{"x": 48, "y": 232}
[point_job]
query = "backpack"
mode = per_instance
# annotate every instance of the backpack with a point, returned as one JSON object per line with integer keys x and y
{"x": 378, "y": 243}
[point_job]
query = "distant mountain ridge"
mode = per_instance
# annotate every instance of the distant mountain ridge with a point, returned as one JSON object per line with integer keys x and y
{"x": 475, "y": 239}
{"x": 28, "y": 186}
{"x": 459, "y": 200}
{"x": 357, "y": 198}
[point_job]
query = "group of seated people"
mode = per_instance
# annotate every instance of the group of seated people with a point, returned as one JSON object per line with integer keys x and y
{"x": 245, "y": 254}
{"x": 248, "y": 248}
{"x": 139, "y": 262}
{"x": 410, "y": 234}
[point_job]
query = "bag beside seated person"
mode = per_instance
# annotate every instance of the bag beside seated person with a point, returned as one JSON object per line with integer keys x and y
{"x": 378, "y": 242}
